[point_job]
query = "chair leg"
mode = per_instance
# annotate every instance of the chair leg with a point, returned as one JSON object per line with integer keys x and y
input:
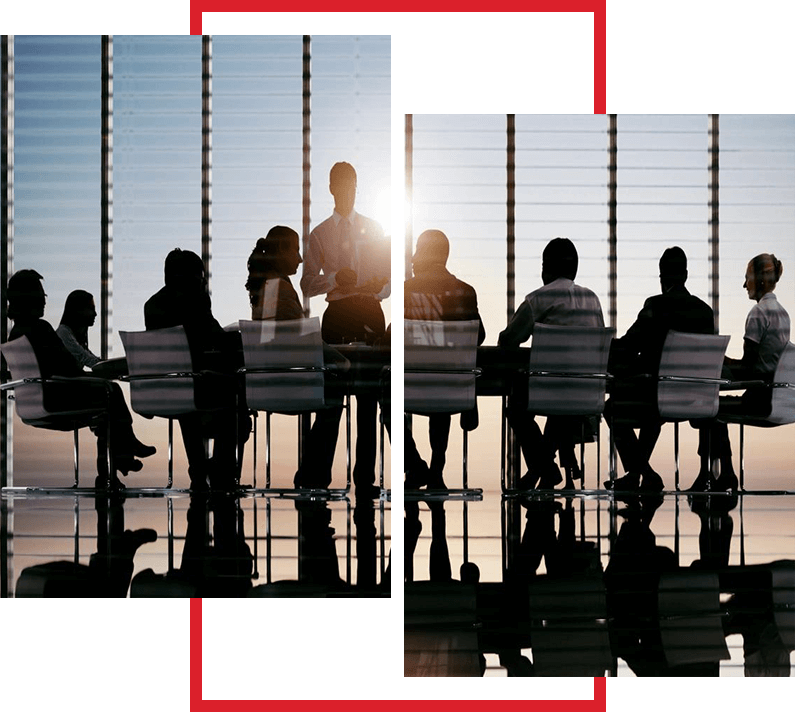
{"x": 466, "y": 454}
{"x": 381, "y": 448}
{"x": 598, "y": 455}
{"x": 77, "y": 457}
{"x": 676, "y": 456}
{"x": 268, "y": 448}
{"x": 582, "y": 454}
{"x": 611, "y": 455}
{"x": 254, "y": 454}
{"x": 503, "y": 436}
{"x": 347, "y": 406}
{"x": 170, "y": 453}
{"x": 742, "y": 457}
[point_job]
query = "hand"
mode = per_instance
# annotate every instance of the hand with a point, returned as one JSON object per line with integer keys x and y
{"x": 374, "y": 285}
{"x": 346, "y": 281}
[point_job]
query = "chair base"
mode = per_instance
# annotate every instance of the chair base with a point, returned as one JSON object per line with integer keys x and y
{"x": 460, "y": 495}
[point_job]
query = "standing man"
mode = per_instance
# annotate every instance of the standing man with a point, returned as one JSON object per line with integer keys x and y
{"x": 345, "y": 262}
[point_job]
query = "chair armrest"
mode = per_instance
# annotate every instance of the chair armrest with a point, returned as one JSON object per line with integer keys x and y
{"x": 694, "y": 379}
{"x": 462, "y": 371}
{"x": 742, "y": 385}
{"x": 564, "y": 374}
{"x": 160, "y": 376}
{"x": 296, "y": 369}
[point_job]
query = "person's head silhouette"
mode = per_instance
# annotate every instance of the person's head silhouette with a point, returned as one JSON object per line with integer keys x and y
{"x": 762, "y": 275}
{"x": 79, "y": 309}
{"x": 559, "y": 260}
{"x": 342, "y": 185}
{"x": 184, "y": 270}
{"x": 26, "y": 297}
{"x": 673, "y": 268}
{"x": 433, "y": 248}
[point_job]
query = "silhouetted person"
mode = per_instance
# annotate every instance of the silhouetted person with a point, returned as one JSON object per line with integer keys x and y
{"x": 79, "y": 313}
{"x": 767, "y": 333}
{"x": 273, "y": 261}
{"x": 317, "y": 558}
{"x": 433, "y": 294}
{"x": 26, "y": 302}
{"x": 559, "y": 302}
{"x": 341, "y": 262}
{"x": 638, "y": 352}
{"x": 184, "y": 301}
{"x": 341, "y": 248}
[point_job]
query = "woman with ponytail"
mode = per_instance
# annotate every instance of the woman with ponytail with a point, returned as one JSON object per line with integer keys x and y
{"x": 274, "y": 259}
{"x": 767, "y": 333}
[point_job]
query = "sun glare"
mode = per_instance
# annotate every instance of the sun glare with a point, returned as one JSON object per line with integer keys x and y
{"x": 383, "y": 211}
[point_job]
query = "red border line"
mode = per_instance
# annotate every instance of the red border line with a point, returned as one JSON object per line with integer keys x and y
{"x": 197, "y": 704}
{"x": 597, "y": 7}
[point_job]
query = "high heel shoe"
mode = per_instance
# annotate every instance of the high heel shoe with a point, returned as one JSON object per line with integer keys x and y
{"x": 126, "y": 464}
{"x": 573, "y": 473}
{"x": 141, "y": 450}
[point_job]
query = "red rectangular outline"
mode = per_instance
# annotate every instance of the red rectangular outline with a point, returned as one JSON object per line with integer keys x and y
{"x": 597, "y": 7}
{"x": 197, "y": 704}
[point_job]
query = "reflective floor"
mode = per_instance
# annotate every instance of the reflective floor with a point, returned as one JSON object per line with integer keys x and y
{"x": 161, "y": 544}
{"x": 591, "y": 584}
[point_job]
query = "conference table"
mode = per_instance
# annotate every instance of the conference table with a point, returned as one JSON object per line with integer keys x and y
{"x": 500, "y": 376}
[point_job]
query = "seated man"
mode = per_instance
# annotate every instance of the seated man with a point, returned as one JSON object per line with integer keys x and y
{"x": 559, "y": 302}
{"x": 433, "y": 294}
{"x": 638, "y": 352}
{"x": 184, "y": 301}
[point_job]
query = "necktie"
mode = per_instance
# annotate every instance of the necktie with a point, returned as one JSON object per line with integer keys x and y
{"x": 346, "y": 242}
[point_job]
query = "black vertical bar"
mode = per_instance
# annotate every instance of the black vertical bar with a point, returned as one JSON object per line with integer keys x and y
{"x": 612, "y": 221}
{"x": 106, "y": 197}
{"x": 714, "y": 216}
{"x": 6, "y": 250}
{"x": 409, "y": 201}
{"x": 207, "y": 155}
{"x": 304, "y": 420}
{"x": 307, "y": 149}
{"x": 512, "y": 449}
{"x": 510, "y": 217}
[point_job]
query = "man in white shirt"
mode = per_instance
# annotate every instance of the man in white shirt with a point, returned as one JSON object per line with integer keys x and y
{"x": 559, "y": 302}
{"x": 347, "y": 260}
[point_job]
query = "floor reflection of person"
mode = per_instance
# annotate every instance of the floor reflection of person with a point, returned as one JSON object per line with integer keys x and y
{"x": 317, "y": 552}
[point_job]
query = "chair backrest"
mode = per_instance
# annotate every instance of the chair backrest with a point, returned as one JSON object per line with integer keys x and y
{"x": 581, "y": 352}
{"x": 22, "y": 362}
{"x": 160, "y": 352}
{"x": 282, "y": 349}
{"x": 569, "y": 626}
{"x": 691, "y": 629}
{"x": 690, "y": 357}
{"x": 783, "y": 401}
{"x": 439, "y": 363}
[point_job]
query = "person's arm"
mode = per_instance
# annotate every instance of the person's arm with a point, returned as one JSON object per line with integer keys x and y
{"x": 745, "y": 368}
{"x": 312, "y": 282}
{"x": 519, "y": 328}
{"x": 82, "y": 355}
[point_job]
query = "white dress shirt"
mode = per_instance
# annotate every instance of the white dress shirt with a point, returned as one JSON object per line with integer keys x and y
{"x": 560, "y": 303}
{"x": 768, "y": 325}
{"x": 353, "y": 242}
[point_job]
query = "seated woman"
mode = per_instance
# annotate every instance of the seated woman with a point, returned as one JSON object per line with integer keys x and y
{"x": 274, "y": 258}
{"x": 79, "y": 313}
{"x": 767, "y": 333}
{"x": 26, "y": 302}
{"x": 272, "y": 296}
